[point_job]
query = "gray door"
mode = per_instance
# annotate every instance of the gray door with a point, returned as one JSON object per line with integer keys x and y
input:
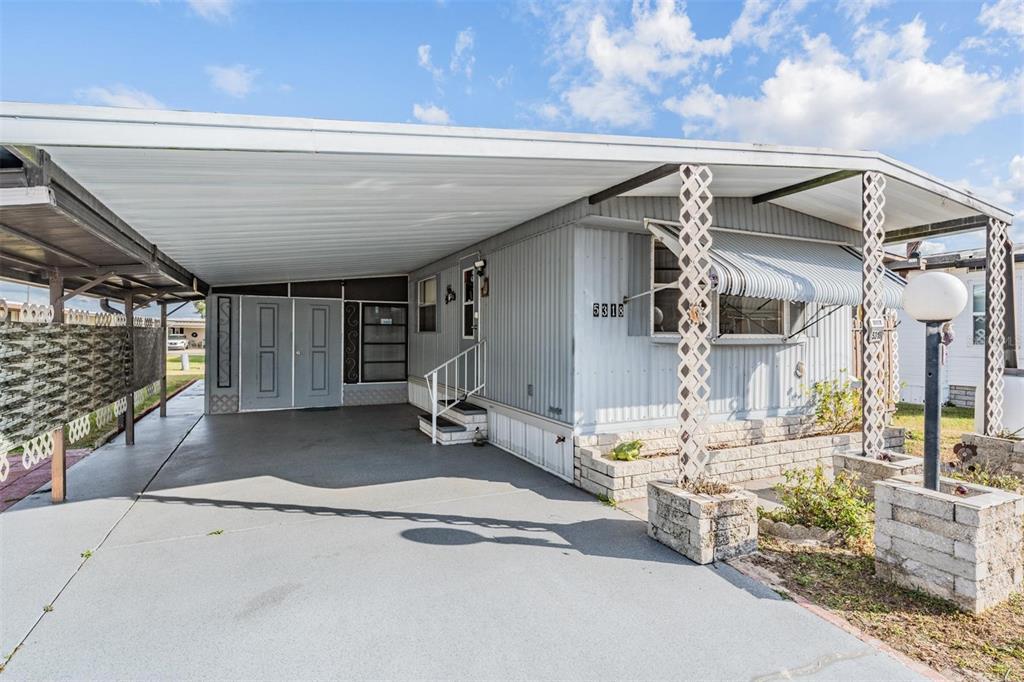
{"x": 469, "y": 319}
{"x": 317, "y": 353}
{"x": 266, "y": 353}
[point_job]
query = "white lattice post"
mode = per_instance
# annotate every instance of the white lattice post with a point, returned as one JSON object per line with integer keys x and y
{"x": 997, "y": 241}
{"x": 694, "y": 326}
{"x": 873, "y": 389}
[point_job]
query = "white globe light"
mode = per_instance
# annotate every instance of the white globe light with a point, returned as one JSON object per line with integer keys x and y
{"x": 934, "y": 297}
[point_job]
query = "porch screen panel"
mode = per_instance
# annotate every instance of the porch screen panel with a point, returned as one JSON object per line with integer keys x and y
{"x": 351, "y": 343}
{"x": 384, "y": 342}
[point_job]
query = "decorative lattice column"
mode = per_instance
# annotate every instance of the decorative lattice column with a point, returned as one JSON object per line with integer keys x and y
{"x": 997, "y": 242}
{"x": 694, "y": 325}
{"x": 873, "y": 383}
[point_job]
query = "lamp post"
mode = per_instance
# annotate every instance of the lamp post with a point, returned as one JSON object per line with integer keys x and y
{"x": 933, "y": 298}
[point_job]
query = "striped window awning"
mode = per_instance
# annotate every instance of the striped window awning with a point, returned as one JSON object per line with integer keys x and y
{"x": 768, "y": 266}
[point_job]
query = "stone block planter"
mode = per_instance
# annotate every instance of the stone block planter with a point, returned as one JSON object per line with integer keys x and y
{"x": 964, "y": 548}
{"x": 867, "y": 470}
{"x": 998, "y": 455}
{"x": 703, "y": 528}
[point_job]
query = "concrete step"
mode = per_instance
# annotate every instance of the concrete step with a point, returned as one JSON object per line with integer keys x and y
{"x": 467, "y": 414}
{"x": 450, "y": 432}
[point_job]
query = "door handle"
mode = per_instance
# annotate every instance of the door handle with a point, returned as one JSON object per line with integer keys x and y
{"x": 298, "y": 352}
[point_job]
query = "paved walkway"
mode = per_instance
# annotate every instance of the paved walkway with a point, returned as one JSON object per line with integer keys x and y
{"x": 341, "y": 544}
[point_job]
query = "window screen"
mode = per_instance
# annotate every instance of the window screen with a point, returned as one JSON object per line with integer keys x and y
{"x": 426, "y": 305}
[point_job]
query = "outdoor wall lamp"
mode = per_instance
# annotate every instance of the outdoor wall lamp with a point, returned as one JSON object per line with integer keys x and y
{"x": 933, "y": 298}
{"x": 449, "y": 295}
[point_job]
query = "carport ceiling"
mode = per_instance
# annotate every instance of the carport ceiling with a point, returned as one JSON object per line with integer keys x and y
{"x": 250, "y": 199}
{"x": 247, "y": 217}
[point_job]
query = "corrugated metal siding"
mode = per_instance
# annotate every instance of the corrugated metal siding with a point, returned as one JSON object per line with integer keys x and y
{"x": 736, "y": 213}
{"x": 526, "y": 321}
{"x": 622, "y": 379}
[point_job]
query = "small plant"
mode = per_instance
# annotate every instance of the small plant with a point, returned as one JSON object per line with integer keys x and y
{"x": 604, "y": 499}
{"x": 810, "y": 499}
{"x": 627, "y": 451}
{"x": 836, "y": 404}
{"x": 86, "y": 554}
{"x": 219, "y": 531}
{"x": 706, "y": 486}
{"x": 48, "y": 608}
{"x": 973, "y": 473}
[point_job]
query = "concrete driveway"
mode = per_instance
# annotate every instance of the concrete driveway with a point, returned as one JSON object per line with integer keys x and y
{"x": 341, "y": 544}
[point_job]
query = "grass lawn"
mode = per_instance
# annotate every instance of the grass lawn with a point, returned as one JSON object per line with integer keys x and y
{"x": 955, "y": 421}
{"x": 175, "y": 380}
{"x": 989, "y": 646}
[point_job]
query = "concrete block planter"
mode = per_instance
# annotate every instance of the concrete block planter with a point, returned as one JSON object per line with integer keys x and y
{"x": 703, "y": 528}
{"x": 997, "y": 455}
{"x": 964, "y": 548}
{"x": 867, "y": 470}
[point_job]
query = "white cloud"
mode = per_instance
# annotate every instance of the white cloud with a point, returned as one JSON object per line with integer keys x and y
{"x": 890, "y": 94}
{"x": 119, "y": 96}
{"x": 502, "y": 81}
{"x": 237, "y": 80}
{"x": 425, "y": 62}
{"x": 607, "y": 68}
{"x": 213, "y": 10}
{"x": 1004, "y": 15}
{"x": 858, "y": 10}
{"x": 430, "y": 113}
{"x": 462, "y": 54}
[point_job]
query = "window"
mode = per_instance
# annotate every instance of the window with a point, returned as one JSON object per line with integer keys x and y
{"x": 468, "y": 304}
{"x": 978, "y": 315}
{"x": 750, "y": 315}
{"x": 735, "y": 316}
{"x": 426, "y": 305}
{"x": 664, "y": 271}
{"x": 383, "y": 342}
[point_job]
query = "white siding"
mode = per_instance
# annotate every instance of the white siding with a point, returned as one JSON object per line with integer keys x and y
{"x": 623, "y": 380}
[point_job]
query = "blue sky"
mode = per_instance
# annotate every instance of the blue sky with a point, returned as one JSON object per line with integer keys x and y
{"x": 937, "y": 84}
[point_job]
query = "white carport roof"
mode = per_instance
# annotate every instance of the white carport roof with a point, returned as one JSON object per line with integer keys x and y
{"x": 250, "y": 199}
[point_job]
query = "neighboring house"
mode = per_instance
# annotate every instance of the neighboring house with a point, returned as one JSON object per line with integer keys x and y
{"x": 360, "y": 263}
{"x": 965, "y": 356}
{"x": 194, "y": 330}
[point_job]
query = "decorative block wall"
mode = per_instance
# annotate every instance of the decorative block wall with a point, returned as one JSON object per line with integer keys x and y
{"x": 998, "y": 455}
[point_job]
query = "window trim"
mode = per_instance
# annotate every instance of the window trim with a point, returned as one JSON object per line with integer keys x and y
{"x": 462, "y": 310}
{"x": 420, "y": 305}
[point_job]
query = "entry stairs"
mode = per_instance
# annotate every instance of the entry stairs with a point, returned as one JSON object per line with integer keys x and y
{"x": 460, "y": 424}
{"x": 453, "y": 420}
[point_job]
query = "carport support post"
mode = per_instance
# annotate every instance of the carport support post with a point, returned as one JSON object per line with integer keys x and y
{"x": 997, "y": 243}
{"x": 872, "y": 379}
{"x": 129, "y": 408}
{"x": 694, "y": 326}
{"x": 163, "y": 359}
{"x": 58, "y": 461}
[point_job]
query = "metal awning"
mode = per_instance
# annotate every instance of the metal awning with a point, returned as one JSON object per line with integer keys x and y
{"x": 768, "y": 266}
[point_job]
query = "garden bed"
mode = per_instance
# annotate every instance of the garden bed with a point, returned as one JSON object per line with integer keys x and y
{"x": 927, "y": 629}
{"x": 620, "y": 481}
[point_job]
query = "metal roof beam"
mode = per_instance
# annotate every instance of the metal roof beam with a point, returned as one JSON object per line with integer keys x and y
{"x": 968, "y": 224}
{"x": 45, "y": 246}
{"x": 115, "y": 270}
{"x": 26, "y": 263}
{"x": 650, "y": 176}
{"x": 804, "y": 186}
{"x": 92, "y": 283}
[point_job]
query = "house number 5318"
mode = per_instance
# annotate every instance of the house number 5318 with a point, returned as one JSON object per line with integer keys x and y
{"x": 609, "y": 310}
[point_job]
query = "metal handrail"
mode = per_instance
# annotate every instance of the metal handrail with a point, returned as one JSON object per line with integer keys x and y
{"x": 478, "y": 352}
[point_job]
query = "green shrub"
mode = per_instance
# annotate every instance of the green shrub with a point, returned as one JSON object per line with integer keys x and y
{"x": 836, "y": 404}
{"x": 626, "y": 451}
{"x": 810, "y": 499}
{"x": 982, "y": 476}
